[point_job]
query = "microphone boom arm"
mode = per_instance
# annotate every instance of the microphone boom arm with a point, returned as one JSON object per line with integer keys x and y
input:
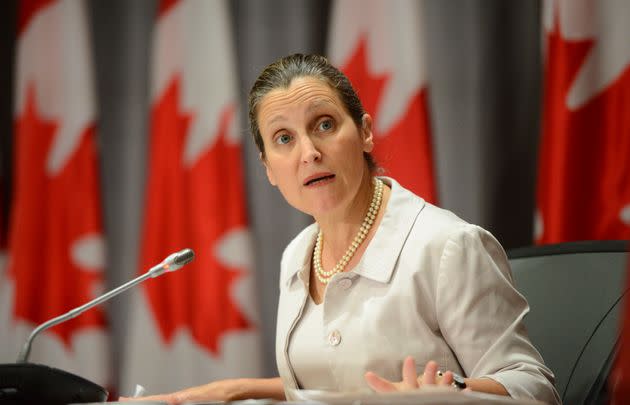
{"x": 171, "y": 263}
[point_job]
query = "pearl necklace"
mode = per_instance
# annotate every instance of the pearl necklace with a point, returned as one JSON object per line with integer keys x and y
{"x": 325, "y": 276}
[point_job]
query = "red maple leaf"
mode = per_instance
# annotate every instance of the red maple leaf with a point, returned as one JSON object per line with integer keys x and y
{"x": 404, "y": 150}
{"x": 164, "y": 6}
{"x": 50, "y": 213}
{"x": 3, "y": 222}
{"x": 584, "y": 179}
{"x": 28, "y": 8}
{"x": 192, "y": 207}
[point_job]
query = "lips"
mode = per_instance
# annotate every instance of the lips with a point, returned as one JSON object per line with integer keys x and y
{"x": 318, "y": 178}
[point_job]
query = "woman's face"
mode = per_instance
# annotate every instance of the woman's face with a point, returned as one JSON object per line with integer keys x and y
{"x": 313, "y": 148}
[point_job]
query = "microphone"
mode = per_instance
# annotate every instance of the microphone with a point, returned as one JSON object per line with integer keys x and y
{"x": 173, "y": 262}
{"x": 28, "y": 383}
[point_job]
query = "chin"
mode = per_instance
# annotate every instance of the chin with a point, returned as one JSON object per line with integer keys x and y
{"x": 322, "y": 207}
{"x": 316, "y": 206}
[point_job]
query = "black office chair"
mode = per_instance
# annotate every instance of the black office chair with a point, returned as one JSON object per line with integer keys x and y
{"x": 575, "y": 293}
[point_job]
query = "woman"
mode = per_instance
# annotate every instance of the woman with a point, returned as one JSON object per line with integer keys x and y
{"x": 381, "y": 275}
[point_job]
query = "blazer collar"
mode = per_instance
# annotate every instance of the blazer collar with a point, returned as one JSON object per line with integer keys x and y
{"x": 380, "y": 257}
{"x": 299, "y": 256}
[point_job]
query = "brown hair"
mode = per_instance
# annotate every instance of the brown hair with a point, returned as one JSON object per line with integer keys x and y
{"x": 281, "y": 73}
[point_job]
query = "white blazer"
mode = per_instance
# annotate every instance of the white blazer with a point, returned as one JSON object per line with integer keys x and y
{"x": 429, "y": 285}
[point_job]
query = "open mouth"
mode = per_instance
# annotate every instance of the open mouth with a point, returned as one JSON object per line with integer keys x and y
{"x": 318, "y": 180}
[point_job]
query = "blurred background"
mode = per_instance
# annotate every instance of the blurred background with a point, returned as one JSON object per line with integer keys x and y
{"x": 471, "y": 106}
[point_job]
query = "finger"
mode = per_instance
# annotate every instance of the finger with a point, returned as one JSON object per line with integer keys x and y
{"x": 447, "y": 378}
{"x": 430, "y": 371}
{"x": 378, "y": 383}
{"x": 410, "y": 376}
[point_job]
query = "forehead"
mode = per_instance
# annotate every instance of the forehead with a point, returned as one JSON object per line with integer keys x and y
{"x": 302, "y": 92}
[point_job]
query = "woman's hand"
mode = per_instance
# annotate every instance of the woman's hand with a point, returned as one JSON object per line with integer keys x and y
{"x": 168, "y": 398}
{"x": 223, "y": 390}
{"x": 411, "y": 380}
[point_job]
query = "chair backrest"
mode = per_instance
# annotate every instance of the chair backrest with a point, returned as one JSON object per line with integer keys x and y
{"x": 574, "y": 291}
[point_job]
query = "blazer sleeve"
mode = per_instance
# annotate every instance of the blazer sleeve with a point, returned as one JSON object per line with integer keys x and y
{"x": 480, "y": 314}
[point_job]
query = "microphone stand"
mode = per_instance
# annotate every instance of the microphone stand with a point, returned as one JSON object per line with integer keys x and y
{"x": 28, "y": 383}
{"x": 153, "y": 272}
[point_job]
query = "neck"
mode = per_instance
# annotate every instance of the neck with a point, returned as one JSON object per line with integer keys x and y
{"x": 341, "y": 227}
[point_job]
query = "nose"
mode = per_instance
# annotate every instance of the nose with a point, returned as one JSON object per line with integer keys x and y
{"x": 309, "y": 151}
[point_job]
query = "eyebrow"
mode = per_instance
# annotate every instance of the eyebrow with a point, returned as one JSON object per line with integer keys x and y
{"x": 318, "y": 104}
{"x": 315, "y": 105}
{"x": 275, "y": 119}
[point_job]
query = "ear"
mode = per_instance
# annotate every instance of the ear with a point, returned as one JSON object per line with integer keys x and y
{"x": 366, "y": 133}
{"x": 270, "y": 175}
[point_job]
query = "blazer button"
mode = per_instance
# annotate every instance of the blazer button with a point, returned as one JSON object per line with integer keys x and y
{"x": 345, "y": 283}
{"x": 334, "y": 338}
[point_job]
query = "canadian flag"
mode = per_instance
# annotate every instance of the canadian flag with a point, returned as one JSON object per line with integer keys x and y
{"x": 56, "y": 248}
{"x": 199, "y": 323}
{"x": 379, "y": 45}
{"x": 4, "y": 292}
{"x": 584, "y": 164}
{"x": 3, "y": 224}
